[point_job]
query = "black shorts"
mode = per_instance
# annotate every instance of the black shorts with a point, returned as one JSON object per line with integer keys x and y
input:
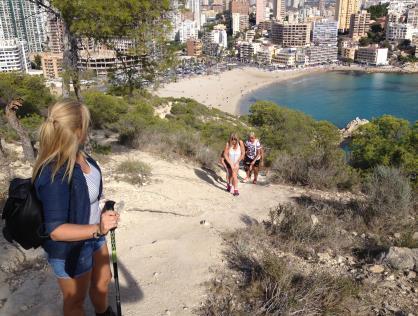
{"x": 248, "y": 161}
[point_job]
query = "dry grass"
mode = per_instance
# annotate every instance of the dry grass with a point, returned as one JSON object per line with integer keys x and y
{"x": 133, "y": 171}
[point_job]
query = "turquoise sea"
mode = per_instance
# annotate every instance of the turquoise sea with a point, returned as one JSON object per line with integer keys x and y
{"x": 340, "y": 97}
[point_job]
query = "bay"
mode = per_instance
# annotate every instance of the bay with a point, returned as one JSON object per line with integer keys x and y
{"x": 340, "y": 97}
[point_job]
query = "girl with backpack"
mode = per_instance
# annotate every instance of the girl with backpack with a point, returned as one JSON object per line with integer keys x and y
{"x": 68, "y": 184}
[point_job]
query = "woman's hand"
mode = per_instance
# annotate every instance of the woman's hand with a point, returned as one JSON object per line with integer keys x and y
{"x": 108, "y": 221}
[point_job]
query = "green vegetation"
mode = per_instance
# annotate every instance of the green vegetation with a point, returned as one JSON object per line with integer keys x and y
{"x": 387, "y": 141}
{"x": 378, "y": 11}
{"x": 133, "y": 171}
{"x": 376, "y": 35}
{"x": 300, "y": 149}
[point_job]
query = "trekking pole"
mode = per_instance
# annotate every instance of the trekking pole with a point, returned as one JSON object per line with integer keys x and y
{"x": 110, "y": 206}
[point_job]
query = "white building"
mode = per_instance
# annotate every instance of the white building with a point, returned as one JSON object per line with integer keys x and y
{"x": 24, "y": 21}
{"x": 248, "y": 51}
{"x": 194, "y": 6}
{"x": 400, "y": 31}
{"x": 412, "y": 18}
{"x": 322, "y": 54}
{"x": 215, "y": 41}
{"x": 240, "y": 22}
{"x": 372, "y": 55}
{"x": 14, "y": 56}
{"x": 188, "y": 30}
{"x": 400, "y": 6}
{"x": 265, "y": 54}
{"x": 219, "y": 36}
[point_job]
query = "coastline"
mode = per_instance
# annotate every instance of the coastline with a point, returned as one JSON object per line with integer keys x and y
{"x": 224, "y": 91}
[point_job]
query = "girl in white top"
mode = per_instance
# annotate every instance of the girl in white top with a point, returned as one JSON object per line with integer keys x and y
{"x": 233, "y": 153}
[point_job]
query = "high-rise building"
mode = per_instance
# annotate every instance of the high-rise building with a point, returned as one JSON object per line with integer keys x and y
{"x": 291, "y": 34}
{"x": 55, "y": 33}
{"x": 343, "y": 12}
{"x": 359, "y": 24}
{"x": 321, "y": 7}
{"x": 279, "y": 10}
{"x": 239, "y": 6}
{"x": 323, "y": 48}
{"x": 24, "y": 21}
{"x": 194, "y": 7}
{"x": 260, "y": 11}
{"x": 14, "y": 56}
{"x": 240, "y": 22}
{"x": 188, "y": 30}
{"x": 325, "y": 32}
{"x": 412, "y": 18}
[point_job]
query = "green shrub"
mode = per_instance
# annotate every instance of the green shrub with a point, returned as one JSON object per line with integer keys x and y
{"x": 104, "y": 109}
{"x": 101, "y": 149}
{"x": 387, "y": 141}
{"x": 134, "y": 171}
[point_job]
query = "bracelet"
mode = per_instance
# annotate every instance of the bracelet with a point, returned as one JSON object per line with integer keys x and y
{"x": 97, "y": 234}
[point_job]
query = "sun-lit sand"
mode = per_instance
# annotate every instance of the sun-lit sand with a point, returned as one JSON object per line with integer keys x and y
{"x": 224, "y": 91}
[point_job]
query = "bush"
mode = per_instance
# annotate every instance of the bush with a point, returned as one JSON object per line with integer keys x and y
{"x": 104, "y": 109}
{"x": 386, "y": 141}
{"x": 389, "y": 196}
{"x": 134, "y": 171}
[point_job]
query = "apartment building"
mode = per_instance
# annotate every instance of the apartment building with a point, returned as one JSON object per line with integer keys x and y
{"x": 359, "y": 24}
{"x": 14, "y": 56}
{"x": 372, "y": 55}
{"x": 291, "y": 34}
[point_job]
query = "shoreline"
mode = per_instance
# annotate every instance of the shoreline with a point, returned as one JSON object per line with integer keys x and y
{"x": 211, "y": 90}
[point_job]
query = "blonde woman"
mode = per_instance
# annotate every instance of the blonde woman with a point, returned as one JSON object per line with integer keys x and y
{"x": 233, "y": 154}
{"x": 69, "y": 185}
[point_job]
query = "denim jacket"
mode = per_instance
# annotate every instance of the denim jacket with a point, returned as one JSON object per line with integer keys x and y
{"x": 64, "y": 202}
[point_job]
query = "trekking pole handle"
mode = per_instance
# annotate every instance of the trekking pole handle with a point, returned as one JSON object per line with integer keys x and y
{"x": 109, "y": 206}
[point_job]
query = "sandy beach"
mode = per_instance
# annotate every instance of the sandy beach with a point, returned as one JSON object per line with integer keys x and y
{"x": 224, "y": 91}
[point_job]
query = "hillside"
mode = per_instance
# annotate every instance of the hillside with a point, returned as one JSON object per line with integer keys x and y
{"x": 170, "y": 236}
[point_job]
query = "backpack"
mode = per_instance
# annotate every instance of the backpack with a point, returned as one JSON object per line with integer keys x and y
{"x": 23, "y": 215}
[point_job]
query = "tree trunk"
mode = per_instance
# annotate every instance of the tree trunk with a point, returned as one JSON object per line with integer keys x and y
{"x": 70, "y": 63}
{"x": 13, "y": 121}
{"x": 2, "y": 152}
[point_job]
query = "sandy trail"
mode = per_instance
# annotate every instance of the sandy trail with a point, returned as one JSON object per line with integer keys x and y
{"x": 164, "y": 251}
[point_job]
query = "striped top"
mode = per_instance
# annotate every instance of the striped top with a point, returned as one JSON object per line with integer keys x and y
{"x": 93, "y": 185}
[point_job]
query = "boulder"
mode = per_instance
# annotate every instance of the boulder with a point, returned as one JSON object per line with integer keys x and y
{"x": 351, "y": 127}
{"x": 401, "y": 258}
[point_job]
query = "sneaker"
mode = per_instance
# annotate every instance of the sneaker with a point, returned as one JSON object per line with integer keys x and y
{"x": 236, "y": 193}
{"x": 255, "y": 182}
{"x": 228, "y": 187}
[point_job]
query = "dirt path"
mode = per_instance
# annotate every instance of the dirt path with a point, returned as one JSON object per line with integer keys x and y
{"x": 170, "y": 236}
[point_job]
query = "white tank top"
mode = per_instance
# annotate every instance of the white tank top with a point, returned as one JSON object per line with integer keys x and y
{"x": 234, "y": 154}
{"x": 93, "y": 184}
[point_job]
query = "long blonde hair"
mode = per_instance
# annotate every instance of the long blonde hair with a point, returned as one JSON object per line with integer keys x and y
{"x": 61, "y": 135}
{"x": 233, "y": 136}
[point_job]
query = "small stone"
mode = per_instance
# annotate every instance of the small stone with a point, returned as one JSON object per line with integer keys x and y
{"x": 340, "y": 259}
{"x": 415, "y": 236}
{"x": 363, "y": 235}
{"x": 315, "y": 220}
{"x": 23, "y": 308}
{"x": 324, "y": 256}
{"x": 156, "y": 274}
{"x": 390, "y": 278}
{"x": 377, "y": 268}
{"x": 411, "y": 274}
{"x": 397, "y": 235}
{"x": 354, "y": 234}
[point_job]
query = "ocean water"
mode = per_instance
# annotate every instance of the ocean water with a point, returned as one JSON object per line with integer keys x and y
{"x": 340, "y": 97}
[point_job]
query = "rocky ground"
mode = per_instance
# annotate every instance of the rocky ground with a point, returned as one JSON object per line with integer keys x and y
{"x": 170, "y": 238}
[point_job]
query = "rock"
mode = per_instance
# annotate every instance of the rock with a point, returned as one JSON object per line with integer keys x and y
{"x": 397, "y": 235}
{"x": 324, "y": 256}
{"x": 377, "y": 268}
{"x": 352, "y": 126}
{"x": 354, "y": 234}
{"x": 401, "y": 258}
{"x": 315, "y": 220}
{"x": 411, "y": 275}
{"x": 415, "y": 236}
{"x": 390, "y": 278}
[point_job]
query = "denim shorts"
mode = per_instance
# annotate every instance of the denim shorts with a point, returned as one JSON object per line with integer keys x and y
{"x": 84, "y": 263}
